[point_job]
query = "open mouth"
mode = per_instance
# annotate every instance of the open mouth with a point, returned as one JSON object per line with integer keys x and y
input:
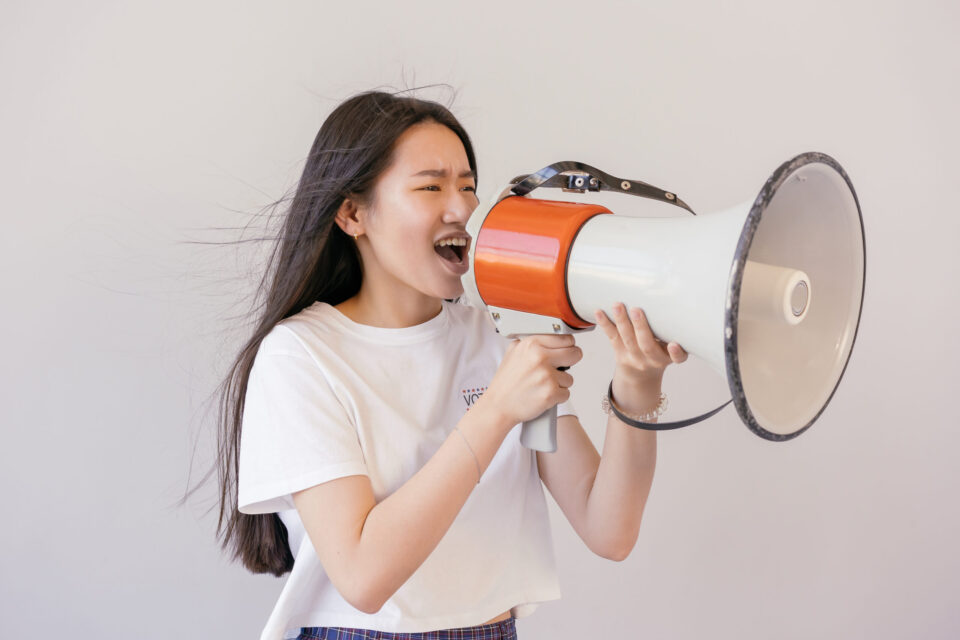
{"x": 452, "y": 249}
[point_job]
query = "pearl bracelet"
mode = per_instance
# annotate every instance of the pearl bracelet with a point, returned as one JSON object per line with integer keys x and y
{"x": 609, "y": 407}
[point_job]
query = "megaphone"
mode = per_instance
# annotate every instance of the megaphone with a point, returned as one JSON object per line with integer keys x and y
{"x": 768, "y": 292}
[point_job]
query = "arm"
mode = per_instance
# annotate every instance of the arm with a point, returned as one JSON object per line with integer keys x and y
{"x": 604, "y": 497}
{"x": 368, "y": 549}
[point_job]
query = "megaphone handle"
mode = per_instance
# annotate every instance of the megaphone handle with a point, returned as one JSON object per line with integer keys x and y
{"x": 550, "y": 176}
{"x": 540, "y": 434}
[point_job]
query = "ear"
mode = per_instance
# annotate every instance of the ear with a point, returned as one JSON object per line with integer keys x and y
{"x": 349, "y": 217}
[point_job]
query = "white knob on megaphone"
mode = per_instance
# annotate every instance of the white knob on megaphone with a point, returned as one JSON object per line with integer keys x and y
{"x": 773, "y": 293}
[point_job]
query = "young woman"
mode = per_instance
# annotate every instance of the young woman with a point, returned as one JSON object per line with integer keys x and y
{"x": 368, "y": 441}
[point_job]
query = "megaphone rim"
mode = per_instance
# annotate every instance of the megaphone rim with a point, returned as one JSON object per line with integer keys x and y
{"x": 750, "y": 226}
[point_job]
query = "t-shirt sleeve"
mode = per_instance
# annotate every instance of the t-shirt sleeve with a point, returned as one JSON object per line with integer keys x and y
{"x": 295, "y": 432}
{"x": 567, "y": 409}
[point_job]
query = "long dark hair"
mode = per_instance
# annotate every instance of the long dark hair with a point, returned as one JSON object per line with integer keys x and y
{"x": 312, "y": 260}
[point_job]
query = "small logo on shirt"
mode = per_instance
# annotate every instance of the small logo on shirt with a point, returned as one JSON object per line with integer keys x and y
{"x": 471, "y": 395}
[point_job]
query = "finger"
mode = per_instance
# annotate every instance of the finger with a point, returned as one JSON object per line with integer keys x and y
{"x": 625, "y": 327}
{"x": 606, "y": 325}
{"x": 554, "y": 341}
{"x": 564, "y": 379}
{"x": 565, "y": 357}
{"x": 677, "y": 354}
{"x": 644, "y": 336}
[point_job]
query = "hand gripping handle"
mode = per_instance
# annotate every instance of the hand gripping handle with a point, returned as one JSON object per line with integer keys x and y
{"x": 540, "y": 434}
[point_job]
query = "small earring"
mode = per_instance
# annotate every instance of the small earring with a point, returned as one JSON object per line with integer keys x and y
{"x": 355, "y": 238}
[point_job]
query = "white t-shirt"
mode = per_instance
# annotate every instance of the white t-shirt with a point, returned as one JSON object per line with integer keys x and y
{"x": 328, "y": 398}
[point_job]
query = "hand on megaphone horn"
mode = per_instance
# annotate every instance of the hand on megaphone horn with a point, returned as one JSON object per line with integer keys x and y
{"x": 527, "y": 382}
{"x": 640, "y": 357}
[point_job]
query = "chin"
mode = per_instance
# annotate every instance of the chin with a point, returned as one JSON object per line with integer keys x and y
{"x": 452, "y": 292}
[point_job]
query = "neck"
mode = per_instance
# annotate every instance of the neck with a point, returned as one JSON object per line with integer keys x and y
{"x": 389, "y": 310}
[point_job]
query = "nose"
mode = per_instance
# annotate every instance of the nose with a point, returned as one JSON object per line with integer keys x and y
{"x": 459, "y": 206}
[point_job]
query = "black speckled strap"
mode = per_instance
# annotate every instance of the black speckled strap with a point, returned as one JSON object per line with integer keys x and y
{"x": 659, "y": 426}
{"x": 590, "y": 179}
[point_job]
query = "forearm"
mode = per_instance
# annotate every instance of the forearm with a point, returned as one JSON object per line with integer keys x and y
{"x": 619, "y": 493}
{"x": 404, "y": 528}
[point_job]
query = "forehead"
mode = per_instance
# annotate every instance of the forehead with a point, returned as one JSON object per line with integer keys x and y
{"x": 429, "y": 145}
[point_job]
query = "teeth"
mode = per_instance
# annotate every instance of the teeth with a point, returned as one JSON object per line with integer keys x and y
{"x": 456, "y": 242}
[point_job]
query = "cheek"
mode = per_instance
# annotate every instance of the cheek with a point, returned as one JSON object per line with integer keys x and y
{"x": 407, "y": 245}
{"x": 413, "y": 240}
{"x": 403, "y": 234}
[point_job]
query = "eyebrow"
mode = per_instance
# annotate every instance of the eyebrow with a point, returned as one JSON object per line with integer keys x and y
{"x": 442, "y": 173}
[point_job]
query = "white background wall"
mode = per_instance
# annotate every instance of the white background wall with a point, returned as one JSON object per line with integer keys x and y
{"x": 131, "y": 129}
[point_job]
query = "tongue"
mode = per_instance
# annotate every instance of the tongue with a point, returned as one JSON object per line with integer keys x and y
{"x": 447, "y": 253}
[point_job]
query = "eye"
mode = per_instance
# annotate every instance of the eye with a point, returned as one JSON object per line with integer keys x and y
{"x": 434, "y": 187}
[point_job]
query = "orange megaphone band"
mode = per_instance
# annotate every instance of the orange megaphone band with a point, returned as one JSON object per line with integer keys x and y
{"x": 520, "y": 260}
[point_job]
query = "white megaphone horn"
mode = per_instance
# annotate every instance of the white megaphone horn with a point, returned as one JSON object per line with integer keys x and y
{"x": 768, "y": 292}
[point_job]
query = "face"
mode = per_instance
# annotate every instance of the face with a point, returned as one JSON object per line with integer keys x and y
{"x": 413, "y": 241}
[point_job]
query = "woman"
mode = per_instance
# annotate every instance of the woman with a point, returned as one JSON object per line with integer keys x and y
{"x": 367, "y": 427}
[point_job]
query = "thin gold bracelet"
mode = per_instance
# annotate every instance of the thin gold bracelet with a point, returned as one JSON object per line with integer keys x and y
{"x": 475, "y": 459}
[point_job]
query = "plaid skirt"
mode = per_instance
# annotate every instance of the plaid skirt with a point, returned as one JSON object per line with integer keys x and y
{"x": 503, "y": 630}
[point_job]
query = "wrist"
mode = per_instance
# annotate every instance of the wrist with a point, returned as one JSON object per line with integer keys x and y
{"x": 488, "y": 409}
{"x": 633, "y": 378}
{"x": 637, "y": 393}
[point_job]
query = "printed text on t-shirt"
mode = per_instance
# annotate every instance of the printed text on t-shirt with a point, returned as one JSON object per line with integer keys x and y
{"x": 470, "y": 395}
